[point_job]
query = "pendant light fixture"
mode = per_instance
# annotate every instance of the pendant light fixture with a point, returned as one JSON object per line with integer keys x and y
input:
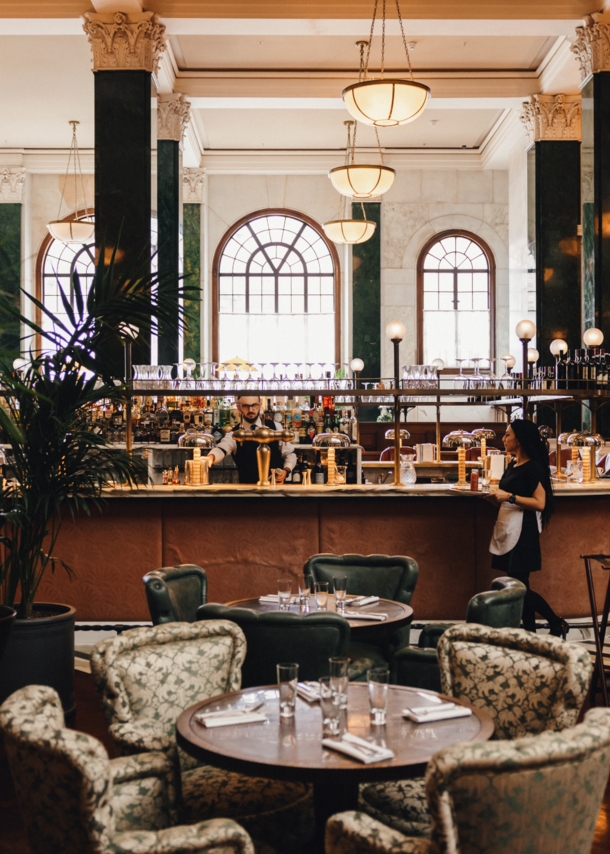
{"x": 344, "y": 229}
{"x": 73, "y": 230}
{"x": 361, "y": 180}
{"x": 386, "y": 101}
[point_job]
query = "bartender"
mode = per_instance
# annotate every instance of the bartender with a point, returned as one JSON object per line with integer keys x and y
{"x": 283, "y": 457}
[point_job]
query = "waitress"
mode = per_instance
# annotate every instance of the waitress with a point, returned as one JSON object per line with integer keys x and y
{"x": 525, "y": 497}
{"x": 283, "y": 457}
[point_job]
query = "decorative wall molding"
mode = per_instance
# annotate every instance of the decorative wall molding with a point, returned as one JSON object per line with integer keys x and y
{"x": 173, "y": 114}
{"x": 552, "y": 117}
{"x": 192, "y": 186}
{"x": 11, "y": 185}
{"x": 123, "y": 42}
{"x": 592, "y": 45}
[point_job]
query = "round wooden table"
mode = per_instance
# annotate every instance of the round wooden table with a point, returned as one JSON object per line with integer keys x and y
{"x": 293, "y": 750}
{"x": 398, "y": 614}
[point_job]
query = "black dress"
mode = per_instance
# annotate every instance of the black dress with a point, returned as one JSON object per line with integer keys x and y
{"x": 525, "y": 556}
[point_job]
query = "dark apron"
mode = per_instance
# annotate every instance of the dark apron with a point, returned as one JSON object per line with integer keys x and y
{"x": 245, "y": 458}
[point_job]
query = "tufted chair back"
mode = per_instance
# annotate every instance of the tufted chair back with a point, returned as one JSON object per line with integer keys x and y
{"x": 390, "y": 577}
{"x": 527, "y": 683}
{"x": 61, "y": 777}
{"x": 174, "y": 593}
{"x": 146, "y": 676}
{"x": 308, "y": 639}
{"x": 500, "y": 607}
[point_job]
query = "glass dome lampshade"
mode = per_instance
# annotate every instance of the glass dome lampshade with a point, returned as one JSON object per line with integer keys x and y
{"x": 558, "y": 346}
{"x": 356, "y": 365}
{"x": 362, "y": 180}
{"x": 593, "y": 337}
{"x": 532, "y": 355}
{"x": 525, "y": 330}
{"x": 510, "y": 361}
{"x": 387, "y": 102}
{"x": 72, "y": 231}
{"x": 349, "y": 231}
{"x": 396, "y": 330}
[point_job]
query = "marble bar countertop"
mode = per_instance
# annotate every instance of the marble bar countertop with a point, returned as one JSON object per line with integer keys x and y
{"x": 424, "y": 490}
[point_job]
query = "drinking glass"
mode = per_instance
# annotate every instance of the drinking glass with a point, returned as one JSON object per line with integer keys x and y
{"x": 378, "y": 679}
{"x": 331, "y": 709}
{"x": 340, "y": 588}
{"x": 338, "y": 678}
{"x": 321, "y": 593}
{"x": 304, "y": 591}
{"x": 284, "y": 592}
{"x": 287, "y": 679}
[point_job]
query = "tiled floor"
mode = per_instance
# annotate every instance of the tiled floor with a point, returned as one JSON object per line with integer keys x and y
{"x": 90, "y": 719}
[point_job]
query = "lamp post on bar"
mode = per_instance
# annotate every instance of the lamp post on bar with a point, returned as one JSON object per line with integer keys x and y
{"x": 558, "y": 348}
{"x": 129, "y": 333}
{"x": 593, "y": 337}
{"x": 396, "y": 331}
{"x": 525, "y": 331}
{"x": 357, "y": 365}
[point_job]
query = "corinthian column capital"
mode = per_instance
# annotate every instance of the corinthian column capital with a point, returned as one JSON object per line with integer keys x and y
{"x": 173, "y": 114}
{"x": 552, "y": 117}
{"x": 11, "y": 184}
{"x": 192, "y": 186}
{"x": 122, "y": 42}
{"x": 592, "y": 45}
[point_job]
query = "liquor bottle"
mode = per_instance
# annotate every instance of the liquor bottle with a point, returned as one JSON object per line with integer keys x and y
{"x": 318, "y": 471}
{"x": 297, "y": 422}
{"x": 319, "y": 419}
{"x": 328, "y": 421}
{"x": 344, "y": 425}
{"x": 353, "y": 422}
{"x": 571, "y": 372}
{"x": 561, "y": 373}
{"x": 297, "y": 476}
{"x": 311, "y": 428}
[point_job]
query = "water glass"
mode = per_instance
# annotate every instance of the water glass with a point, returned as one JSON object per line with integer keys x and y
{"x": 338, "y": 678}
{"x": 304, "y": 582}
{"x": 284, "y": 592}
{"x": 378, "y": 679}
{"x": 287, "y": 679}
{"x": 321, "y": 593}
{"x": 340, "y": 587}
{"x": 331, "y": 709}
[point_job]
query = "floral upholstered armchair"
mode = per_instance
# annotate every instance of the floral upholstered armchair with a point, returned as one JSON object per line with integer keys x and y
{"x": 74, "y": 800}
{"x": 539, "y": 794}
{"x": 147, "y": 677}
{"x": 527, "y": 683}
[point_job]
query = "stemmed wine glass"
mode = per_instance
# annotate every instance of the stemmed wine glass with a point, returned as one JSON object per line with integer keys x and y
{"x": 285, "y": 380}
{"x": 478, "y": 380}
{"x": 460, "y": 381}
{"x": 274, "y": 379}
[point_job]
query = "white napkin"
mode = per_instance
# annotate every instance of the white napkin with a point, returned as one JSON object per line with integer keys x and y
{"x": 370, "y": 616}
{"x": 309, "y": 691}
{"x": 229, "y": 717}
{"x": 361, "y": 601}
{"x": 429, "y": 714}
{"x": 358, "y": 748}
{"x": 273, "y": 598}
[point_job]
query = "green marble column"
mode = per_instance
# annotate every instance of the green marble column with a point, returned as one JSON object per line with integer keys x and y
{"x": 169, "y": 214}
{"x": 10, "y": 271}
{"x": 366, "y": 290}
{"x": 191, "y": 224}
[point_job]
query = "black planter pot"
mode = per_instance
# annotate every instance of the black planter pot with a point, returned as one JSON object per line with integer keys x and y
{"x": 41, "y": 652}
{"x": 7, "y": 618}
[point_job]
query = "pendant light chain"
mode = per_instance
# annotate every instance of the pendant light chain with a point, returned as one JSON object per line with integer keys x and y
{"x": 379, "y": 145}
{"x": 383, "y": 39}
{"x": 74, "y": 155}
{"x": 354, "y": 143}
{"x": 368, "y": 50}
{"x": 404, "y": 40}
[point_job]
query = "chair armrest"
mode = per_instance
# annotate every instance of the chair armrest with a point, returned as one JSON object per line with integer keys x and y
{"x": 218, "y": 834}
{"x": 144, "y": 792}
{"x": 416, "y": 668}
{"x": 131, "y": 739}
{"x": 351, "y": 832}
{"x": 431, "y": 634}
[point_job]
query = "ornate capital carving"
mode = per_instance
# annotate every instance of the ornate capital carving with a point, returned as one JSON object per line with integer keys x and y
{"x": 173, "y": 114}
{"x": 123, "y": 42}
{"x": 552, "y": 117}
{"x": 11, "y": 184}
{"x": 592, "y": 45}
{"x": 192, "y": 186}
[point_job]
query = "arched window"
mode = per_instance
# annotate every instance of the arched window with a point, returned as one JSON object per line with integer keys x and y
{"x": 455, "y": 299}
{"x": 275, "y": 291}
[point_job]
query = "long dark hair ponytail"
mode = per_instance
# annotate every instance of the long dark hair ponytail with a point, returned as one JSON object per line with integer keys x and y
{"x": 534, "y": 447}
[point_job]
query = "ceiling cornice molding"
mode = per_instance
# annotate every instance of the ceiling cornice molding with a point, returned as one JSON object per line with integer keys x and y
{"x": 497, "y": 151}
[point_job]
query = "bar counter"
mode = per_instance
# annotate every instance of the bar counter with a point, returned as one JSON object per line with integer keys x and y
{"x": 244, "y": 544}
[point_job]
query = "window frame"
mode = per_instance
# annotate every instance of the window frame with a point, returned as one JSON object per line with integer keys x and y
{"x": 469, "y": 235}
{"x": 229, "y": 234}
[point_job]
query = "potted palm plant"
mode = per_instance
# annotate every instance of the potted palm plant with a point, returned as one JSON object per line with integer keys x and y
{"x": 59, "y": 465}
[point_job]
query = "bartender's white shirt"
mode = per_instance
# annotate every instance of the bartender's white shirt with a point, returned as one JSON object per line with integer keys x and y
{"x": 228, "y": 445}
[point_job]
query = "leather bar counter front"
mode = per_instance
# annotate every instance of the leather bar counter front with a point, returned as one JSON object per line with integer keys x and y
{"x": 245, "y": 537}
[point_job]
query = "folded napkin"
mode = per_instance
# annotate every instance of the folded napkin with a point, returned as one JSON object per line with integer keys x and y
{"x": 229, "y": 717}
{"x": 443, "y": 712}
{"x": 366, "y": 616}
{"x": 361, "y": 601}
{"x": 273, "y": 597}
{"x": 309, "y": 691}
{"x": 358, "y": 748}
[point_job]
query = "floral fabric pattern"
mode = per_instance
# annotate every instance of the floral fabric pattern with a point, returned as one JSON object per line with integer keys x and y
{"x": 488, "y": 797}
{"x": 74, "y": 800}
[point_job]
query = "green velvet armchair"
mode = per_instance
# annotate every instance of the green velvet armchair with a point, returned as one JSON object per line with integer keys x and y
{"x": 174, "y": 593}
{"x": 271, "y": 637}
{"x": 387, "y": 576}
{"x": 74, "y": 800}
{"x": 499, "y": 607}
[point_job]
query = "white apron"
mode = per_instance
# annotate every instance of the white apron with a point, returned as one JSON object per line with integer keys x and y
{"x": 507, "y": 529}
